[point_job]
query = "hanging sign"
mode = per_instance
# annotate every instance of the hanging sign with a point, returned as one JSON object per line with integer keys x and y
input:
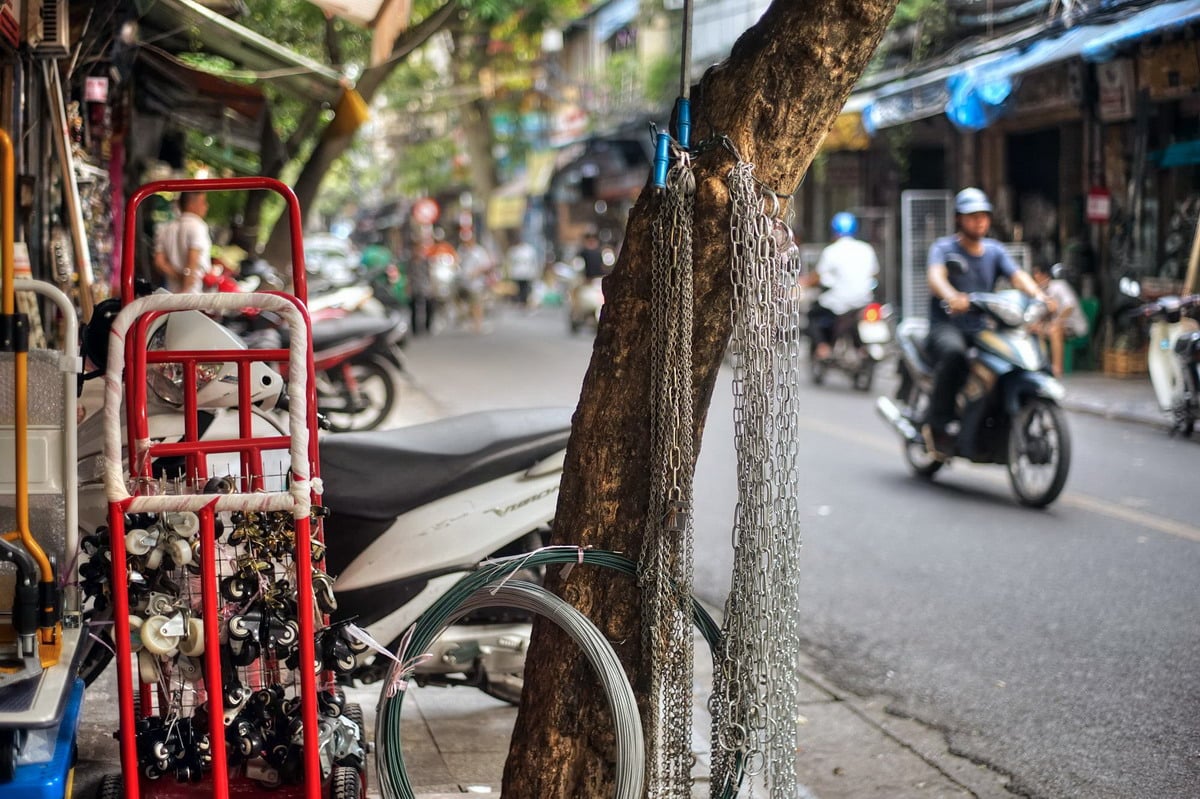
{"x": 1099, "y": 205}
{"x": 1116, "y": 89}
{"x": 426, "y": 211}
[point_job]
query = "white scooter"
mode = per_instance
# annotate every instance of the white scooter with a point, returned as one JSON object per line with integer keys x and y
{"x": 1173, "y": 355}
{"x": 410, "y": 510}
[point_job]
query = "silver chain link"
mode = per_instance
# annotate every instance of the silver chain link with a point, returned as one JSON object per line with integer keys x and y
{"x": 666, "y": 558}
{"x": 756, "y": 684}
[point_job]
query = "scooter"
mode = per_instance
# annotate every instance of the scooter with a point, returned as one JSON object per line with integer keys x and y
{"x": 1174, "y": 358}
{"x": 1008, "y": 406}
{"x": 410, "y": 511}
{"x": 860, "y": 342}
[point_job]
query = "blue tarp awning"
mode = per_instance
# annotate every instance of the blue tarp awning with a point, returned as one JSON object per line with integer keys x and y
{"x": 1155, "y": 19}
{"x": 977, "y": 92}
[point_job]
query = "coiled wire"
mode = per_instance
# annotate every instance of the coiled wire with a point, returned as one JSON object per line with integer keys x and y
{"x": 491, "y": 586}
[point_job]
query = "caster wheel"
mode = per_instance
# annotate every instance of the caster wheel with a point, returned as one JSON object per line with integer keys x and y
{"x": 192, "y": 644}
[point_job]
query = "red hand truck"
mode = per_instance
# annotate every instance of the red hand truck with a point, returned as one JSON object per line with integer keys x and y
{"x": 169, "y": 697}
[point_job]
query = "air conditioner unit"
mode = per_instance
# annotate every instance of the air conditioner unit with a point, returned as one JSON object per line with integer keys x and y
{"x": 47, "y": 28}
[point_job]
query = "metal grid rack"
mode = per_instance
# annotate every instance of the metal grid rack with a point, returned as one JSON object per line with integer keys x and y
{"x": 214, "y": 574}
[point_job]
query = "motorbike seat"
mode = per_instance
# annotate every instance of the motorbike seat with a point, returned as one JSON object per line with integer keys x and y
{"x": 327, "y": 333}
{"x": 382, "y": 474}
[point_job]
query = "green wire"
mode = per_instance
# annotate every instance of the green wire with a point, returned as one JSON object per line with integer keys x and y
{"x": 430, "y": 624}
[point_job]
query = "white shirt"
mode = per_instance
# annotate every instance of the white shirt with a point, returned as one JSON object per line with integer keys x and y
{"x": 175, "y": 239}
{"x": 847, "y": 268}
{"x": 523, "y": 262}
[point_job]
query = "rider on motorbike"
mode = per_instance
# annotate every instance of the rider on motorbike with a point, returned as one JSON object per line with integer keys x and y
{"x": 959, "y": 264}
{"x": 847, "y": 269}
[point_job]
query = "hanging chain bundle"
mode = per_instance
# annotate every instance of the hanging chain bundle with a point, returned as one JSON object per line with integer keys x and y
{"x": 666, "y": 558}
{"x": 756, "y": 683}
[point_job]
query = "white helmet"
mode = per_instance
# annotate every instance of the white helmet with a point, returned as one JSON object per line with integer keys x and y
{"x": 971, "y": 201}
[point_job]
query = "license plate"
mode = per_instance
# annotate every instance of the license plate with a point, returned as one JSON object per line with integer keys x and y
{"x": 873, "y": 332}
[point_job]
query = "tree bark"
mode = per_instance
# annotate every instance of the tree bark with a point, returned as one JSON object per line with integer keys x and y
{"x": 775, "y": 97}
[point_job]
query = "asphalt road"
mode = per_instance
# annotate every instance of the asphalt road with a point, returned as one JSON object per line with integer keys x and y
{"x": 1058, "y": 647}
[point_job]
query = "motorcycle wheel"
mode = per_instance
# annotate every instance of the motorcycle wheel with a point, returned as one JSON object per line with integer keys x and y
{"x": 377, "y": 392}
{"x": 915, "y": 405}
{"x": 920, "y": 461}
{"x": 865, "y": 375}
{"x": 1039, "y": 453}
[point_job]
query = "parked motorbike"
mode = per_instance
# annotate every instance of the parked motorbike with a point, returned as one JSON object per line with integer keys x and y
{"x": 1008, "y": 407}
{"x": 411, "y": 510}
{"x": 1174, "y": 358}
{"x": 860, "y": 342}
{"x": 587, "y": 300}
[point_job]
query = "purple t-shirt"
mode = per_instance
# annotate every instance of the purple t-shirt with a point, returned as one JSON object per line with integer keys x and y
{"x": 968, "y": 273}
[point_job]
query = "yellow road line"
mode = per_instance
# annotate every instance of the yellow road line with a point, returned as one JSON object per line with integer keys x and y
{"x": 1085, "y": 502}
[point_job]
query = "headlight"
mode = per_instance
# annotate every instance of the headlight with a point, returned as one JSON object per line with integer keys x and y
{"x": 166, "y": 379}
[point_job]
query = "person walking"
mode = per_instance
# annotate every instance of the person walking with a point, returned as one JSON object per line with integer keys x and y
{"x": 521, "y": 262}
{"x": 183, "y": 246}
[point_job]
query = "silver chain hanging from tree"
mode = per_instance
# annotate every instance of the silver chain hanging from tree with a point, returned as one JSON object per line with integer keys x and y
{"x": 756, "y": 684}
{"x": 666, "y": 558}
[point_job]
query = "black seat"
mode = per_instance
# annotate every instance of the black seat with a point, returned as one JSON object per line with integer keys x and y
{"x": 382, "y": 474}
{"x": 328, "y": 332}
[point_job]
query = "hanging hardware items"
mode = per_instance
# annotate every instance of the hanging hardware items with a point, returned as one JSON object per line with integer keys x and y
{"x": 756, "y": 680}
{"x": 665, "y": 568}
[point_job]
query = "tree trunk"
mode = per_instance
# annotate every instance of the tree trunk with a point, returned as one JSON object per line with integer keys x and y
{"x": 775, "y": 98}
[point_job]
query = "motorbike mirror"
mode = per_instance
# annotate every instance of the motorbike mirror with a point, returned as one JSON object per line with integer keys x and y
{"x": 1057, "y": 271}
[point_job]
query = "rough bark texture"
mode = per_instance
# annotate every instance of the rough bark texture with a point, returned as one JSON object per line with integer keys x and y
{"x": 775, "y": 98}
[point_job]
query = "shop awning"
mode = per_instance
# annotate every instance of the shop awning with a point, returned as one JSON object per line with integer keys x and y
{"x": 980, "y": 96}
{"x": 235, "y": 113}
{"x": 285, "y": 68}
{"x": 976, "y": 91}
{"x": 1146, "y": 22}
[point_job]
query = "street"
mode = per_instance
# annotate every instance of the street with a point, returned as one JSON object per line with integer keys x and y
{"x": 1056, "y": 647}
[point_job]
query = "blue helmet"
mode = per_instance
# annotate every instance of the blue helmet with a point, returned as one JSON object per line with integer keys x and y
{"x": 844, "y": 224}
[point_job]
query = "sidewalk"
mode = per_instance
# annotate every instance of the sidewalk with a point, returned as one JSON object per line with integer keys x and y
{"x": 456, "y": 740}
{"x": 1124, "y": 399}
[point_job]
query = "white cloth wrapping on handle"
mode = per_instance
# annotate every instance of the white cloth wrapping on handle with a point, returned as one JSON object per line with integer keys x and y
{"x": 297, "y": 498}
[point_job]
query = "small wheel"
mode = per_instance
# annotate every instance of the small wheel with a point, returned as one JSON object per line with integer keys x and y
{"x": 111, "y": 787}
{"x": 138, "y": 542}
{"x": 148, "y": 670}
{"x": 192, "y": 644}
{"x": 135, "y": 634}
{"x": 234, "y": 588}
{"x": 354, "y": 712}
{"x": 155, "y": 641}
{"x": 180, "y": 550}
{"x": 185, "y": 523}
{"x": 345, "y": 783}
{"x": 8, "y": 755}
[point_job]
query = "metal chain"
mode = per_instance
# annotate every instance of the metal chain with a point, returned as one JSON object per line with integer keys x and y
{"x": 756, "y": 684}
{"x": 665, "y": 570}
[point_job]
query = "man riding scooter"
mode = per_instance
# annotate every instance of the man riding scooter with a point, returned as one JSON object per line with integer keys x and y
{"x": 965, "y": 262}
{"x": 847, "y": 269}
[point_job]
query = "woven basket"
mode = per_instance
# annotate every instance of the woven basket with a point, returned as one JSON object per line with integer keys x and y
{"x": 1125, "y": 363}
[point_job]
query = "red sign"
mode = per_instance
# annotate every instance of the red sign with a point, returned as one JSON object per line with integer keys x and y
{"x": 1099, "y": 205}
{"x": 426, "y": 211}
